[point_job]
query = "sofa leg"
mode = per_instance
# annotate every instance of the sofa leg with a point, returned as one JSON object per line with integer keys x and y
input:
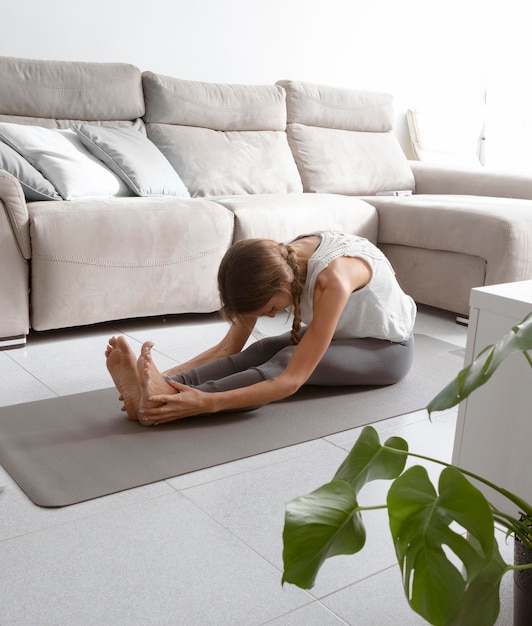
{"x": 463, "y": 320}
{"x": 9, "y": 343}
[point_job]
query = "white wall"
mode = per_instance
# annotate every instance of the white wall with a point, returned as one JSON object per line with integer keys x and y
{"x": 421, "y": 51}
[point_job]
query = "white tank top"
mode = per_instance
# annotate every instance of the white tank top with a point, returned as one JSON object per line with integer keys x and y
{"x": 380, "y": 310}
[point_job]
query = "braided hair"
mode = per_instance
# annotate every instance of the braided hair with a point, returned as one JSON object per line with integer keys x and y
{"x": 289, "y": 254}
{"x": 252, "y": 272}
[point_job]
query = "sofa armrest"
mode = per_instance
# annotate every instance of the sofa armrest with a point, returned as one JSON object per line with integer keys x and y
{"x": 14, "y": 269}
{"x": 12, "y": 197}
{"x": 439, "y": 179}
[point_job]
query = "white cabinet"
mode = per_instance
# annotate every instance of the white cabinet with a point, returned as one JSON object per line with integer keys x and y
{"x": 494, "y": 427}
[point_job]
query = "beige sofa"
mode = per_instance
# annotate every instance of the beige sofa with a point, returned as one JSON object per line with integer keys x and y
{"x": 159, "y": 176}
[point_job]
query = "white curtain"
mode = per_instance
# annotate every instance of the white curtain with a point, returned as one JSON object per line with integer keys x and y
{"x": 508, "y": 43}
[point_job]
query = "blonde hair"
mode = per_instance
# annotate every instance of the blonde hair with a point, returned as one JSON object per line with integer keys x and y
{"x": 252, "y": 272}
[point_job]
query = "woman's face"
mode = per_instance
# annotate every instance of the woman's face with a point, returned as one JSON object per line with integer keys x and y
{"x": 279, "y": 302}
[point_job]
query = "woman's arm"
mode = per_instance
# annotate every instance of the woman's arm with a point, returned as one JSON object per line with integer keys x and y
{"x": 233, "y": 342}
{"x": 189, "y": 401}
{"x": 333, "y": 288}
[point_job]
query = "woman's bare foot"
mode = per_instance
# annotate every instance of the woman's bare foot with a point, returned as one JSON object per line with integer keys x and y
{"x": 122, "y": 365}
{"x": 152, "y": 382}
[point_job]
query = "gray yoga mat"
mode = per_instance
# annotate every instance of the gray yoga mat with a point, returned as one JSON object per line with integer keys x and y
{"x": 66, "y": 450}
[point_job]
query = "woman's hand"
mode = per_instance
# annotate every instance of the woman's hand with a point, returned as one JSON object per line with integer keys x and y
{"x": 187, "y": 402}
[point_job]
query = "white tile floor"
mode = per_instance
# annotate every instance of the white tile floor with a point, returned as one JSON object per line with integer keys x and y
{"x": 199, "y": 549}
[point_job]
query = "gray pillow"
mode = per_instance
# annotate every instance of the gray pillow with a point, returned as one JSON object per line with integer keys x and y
{"x": 33, "y": 183}
{"x": 133, "y": 157}
{"x": 60, "y": 156}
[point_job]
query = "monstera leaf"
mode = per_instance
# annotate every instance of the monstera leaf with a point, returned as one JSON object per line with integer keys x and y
{"x": 441, "y": 587}
{"x": 518, "y": 339}
{"x": 369, "y": 460}
{"x": 444, "y": 540}
{"x": 328, "y": 521}
{"x": 324, "y": 523}
{"x": 448, "y": 579}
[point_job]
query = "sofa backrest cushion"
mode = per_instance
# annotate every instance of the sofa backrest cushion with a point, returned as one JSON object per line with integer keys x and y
{"x": 343, "y": 141}
{"x": 221, "y": 139}
{"x": 70, "y": 90}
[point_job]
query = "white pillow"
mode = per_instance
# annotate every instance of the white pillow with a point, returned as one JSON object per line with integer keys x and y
{"x": 33, "y": 183}
{"x": 63, "y": 160}
{"x": 133, "y": 157}
{"x": 451, "y": 137}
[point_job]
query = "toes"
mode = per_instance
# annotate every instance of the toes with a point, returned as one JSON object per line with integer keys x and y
{"x": 111, "y": 344}
{"x": 122, "y": 344}
{"x": 145, "y": 421}
{"x": 146, "y": 348}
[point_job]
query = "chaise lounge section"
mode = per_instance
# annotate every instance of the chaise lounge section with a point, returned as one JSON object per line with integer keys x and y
{"x": 444, "y": 231}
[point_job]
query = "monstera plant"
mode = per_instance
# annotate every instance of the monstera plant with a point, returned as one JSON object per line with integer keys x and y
{"x": 444, "y": 536}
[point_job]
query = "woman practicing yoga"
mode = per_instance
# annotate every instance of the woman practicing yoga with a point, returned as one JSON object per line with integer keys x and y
{"x": 352, "y": 325}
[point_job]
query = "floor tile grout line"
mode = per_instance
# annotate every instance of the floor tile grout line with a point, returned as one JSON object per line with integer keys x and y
{"x": 357, "y": 582}
{"x": 76, "y": 520}
{"x": 255, "y": 468}
{"x": 315, "y": 602}
{"x": 239, "y": 539}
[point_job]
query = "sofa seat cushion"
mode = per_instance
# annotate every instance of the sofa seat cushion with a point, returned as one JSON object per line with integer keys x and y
{"x": 285, "y": 216}
{"x": 221, "y": 139}
{"x": 122, "y": 258}
{"x": 498, "y": 230}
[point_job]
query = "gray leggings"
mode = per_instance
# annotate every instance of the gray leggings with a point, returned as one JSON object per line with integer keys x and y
{"x": 346, "y": 362}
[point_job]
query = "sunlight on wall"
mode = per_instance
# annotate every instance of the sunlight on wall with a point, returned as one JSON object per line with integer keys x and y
{"x": 509, "y": 90}
{"x": 493, "y": 89}
{"x": 428, "y": 54}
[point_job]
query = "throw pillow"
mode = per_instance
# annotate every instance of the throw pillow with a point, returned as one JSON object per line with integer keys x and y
{"x": 33, "y": 183}
{"x": 63, "y": 160}
{"x": 133, "y": 157}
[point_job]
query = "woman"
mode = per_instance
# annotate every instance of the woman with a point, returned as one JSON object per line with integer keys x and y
{"x": 358, "y": 330}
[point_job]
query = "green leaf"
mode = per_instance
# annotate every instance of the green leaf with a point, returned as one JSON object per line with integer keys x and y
{"x": 322, "y": 524}
{"x": 420, "y": 525}
{"x": 480, "y": 605}
{"x": 327, "y": 522}
{"x": 518, "y": 339}
{"x": 369, "y": 460}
